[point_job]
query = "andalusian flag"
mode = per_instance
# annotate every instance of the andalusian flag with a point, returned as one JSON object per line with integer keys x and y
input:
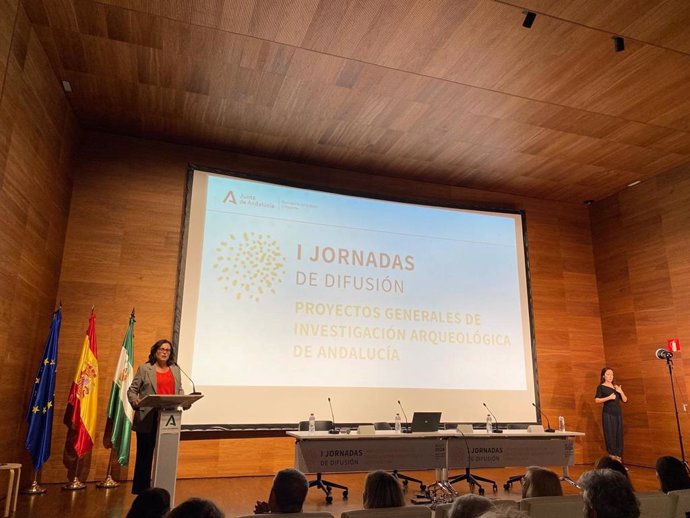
{"x": 40, "y": 414}
{"x": 120, "y": 412}
{"x": 82, "y": 404}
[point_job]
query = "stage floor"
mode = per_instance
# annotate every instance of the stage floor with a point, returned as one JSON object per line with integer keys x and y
{"x": 236, "y": 496}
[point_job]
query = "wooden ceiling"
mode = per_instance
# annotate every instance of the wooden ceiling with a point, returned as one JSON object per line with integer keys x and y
{"x": 454, "y": 92}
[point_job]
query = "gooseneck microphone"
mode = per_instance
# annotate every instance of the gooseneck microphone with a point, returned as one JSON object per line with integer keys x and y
{"x": 548, "y": 423}
{"x": 333, "y": 429}
{"x": 407, "y": 425}
{"x": 194, "y": 392}
{"x": 495, "y": 429}
{"x": 663, "y": 354}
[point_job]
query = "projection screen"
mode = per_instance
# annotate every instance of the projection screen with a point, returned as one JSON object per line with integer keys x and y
{"x": 289, "y": 296}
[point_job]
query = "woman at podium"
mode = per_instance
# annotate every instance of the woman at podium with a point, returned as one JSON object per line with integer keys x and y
{"x": 159, "y": 375}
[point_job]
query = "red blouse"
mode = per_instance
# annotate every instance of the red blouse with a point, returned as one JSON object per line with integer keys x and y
{"x": 165, "y": 382}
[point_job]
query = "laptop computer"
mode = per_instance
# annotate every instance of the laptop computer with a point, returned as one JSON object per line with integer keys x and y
{"x": 426, "y": 421}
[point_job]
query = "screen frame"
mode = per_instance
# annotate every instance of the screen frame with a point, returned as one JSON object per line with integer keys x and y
{"x": 406, "y": 199}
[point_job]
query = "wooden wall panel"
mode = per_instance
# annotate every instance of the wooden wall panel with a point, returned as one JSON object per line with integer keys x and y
{"x": 641, "y": 241}
{"x": 121, "y": 251}
{"x": 37, "y": 133}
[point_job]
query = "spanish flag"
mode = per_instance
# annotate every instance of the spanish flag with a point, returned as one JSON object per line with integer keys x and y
{"x": 82, "y": 403}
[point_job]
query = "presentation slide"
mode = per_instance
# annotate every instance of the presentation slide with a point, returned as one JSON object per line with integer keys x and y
{"x": 291, "y": 296}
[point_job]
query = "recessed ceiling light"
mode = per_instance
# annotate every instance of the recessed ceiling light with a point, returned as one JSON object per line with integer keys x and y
{"x": 66, "y": 86}
{"x": 633, "y": 184}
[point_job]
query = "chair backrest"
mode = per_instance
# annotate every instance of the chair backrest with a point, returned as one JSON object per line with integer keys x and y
{"x": 657, "y": 505}
{"x": 569, "y": 506}
{"x": 290, "y": 515}
{"x": 682, "y": 502}
{"x": 321, "y": 426}
{"x": 409, "y": 511}
{"x": 382, "y": 425}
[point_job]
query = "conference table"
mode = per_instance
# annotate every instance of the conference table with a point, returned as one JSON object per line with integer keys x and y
{"x": 322, "y": 452}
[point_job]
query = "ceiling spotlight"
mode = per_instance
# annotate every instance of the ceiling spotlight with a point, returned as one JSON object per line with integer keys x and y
{"x": 66, "y": 86}
{"x": 618, "y": 43}
{"x": 529, "y": 19}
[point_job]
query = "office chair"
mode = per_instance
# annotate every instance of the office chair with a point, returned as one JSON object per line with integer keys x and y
{"x": 321, "y": 483}
{"x": 400, "y": 476}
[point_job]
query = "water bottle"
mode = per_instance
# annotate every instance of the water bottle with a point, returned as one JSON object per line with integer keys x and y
{"x": 398, "y": 424}
{"x": 489, "y": 425}
{"x": 561, "y": 423}
{"x": 312, "y": 423}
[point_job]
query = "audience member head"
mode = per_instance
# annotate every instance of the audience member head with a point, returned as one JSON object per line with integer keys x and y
{"x": 196, "y": 508}
{"x": 381, "y": 489}
{"x": 608, "y": 462}
{"x": 470, "y": 506}
{"x": 672, "y": 474}
{"x": 289, "y": 490}
{"x": 150, "y": 503}
{"x": 540, "y": 482}
{"x": 608, "y": 494}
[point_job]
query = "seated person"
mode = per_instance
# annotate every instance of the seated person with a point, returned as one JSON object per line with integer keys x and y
{"x": 608, "y": 462}
{"x": 287, "y": 495}
{"x": 381, "y": 489}
{"x": 470, "y": 506}
{"x": 608, "y": 494}
{"x": 540, "y": 481}
{"x": 196, "y": 508}
{"x": 153, "y": 502}
{"x": 672, "y": 474}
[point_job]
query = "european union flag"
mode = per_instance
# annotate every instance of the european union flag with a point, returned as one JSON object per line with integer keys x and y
{"x": 40, "y": 414}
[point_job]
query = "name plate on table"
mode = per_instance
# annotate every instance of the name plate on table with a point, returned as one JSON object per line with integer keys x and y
{"x": 497, "y": 453}
{"x": 338, "y": 455}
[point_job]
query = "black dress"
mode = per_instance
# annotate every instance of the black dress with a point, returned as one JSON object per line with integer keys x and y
{"x": 612, "y": 420}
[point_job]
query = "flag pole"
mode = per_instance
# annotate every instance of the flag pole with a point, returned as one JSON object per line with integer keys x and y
{"x": 76, "y": 484}
{"x": 34, "y": 488}
{"x": 109, "y": 481}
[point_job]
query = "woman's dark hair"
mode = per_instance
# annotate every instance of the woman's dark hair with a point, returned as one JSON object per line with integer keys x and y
{"x": 196, "y": 508}
{"x": 603, "y": 371}
{"x": 156, "y": 346}
{"x": 153, "y": 502}
{"x": 381, "y": 489}
{"x": 672, "y": 474}
{"x": 606, "y": 462}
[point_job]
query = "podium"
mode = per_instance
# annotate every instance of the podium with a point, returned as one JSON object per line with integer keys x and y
{"x": 168, "y": 436}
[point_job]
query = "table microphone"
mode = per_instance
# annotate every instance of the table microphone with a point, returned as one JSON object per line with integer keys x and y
{"x": 407, "y": 426}
{"x": 548, "y": 423}
{"x": 194, "y": 392}
{"x": 497, "y": 429}
{"x": 333, "y": 429}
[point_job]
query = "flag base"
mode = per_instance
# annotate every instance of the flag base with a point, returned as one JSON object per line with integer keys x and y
{"x": 108, "y": 483}
{"x": 75, "y": 485}
{"x": 34, "y": 489}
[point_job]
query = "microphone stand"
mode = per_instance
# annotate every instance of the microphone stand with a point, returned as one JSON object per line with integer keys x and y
{"x": 669, "y": 362}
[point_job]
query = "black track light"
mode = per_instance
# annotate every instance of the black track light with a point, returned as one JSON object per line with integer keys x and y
{"x": 618, "y": 43}
{"x": 529, "y": 19}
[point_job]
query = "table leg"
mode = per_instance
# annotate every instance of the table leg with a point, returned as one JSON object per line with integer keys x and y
{"x": 16, "y": 489}
{"x": 10, "y": 487}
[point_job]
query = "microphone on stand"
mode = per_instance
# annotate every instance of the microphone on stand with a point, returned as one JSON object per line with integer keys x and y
{"x": 194, "y": 391}
{"x": 407, "y": 427}
{"x": 333, "y": 429}
{"x": 496, "y": 429}
{"x": 548, "y": 423}
{"x": 663, "y": 354}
